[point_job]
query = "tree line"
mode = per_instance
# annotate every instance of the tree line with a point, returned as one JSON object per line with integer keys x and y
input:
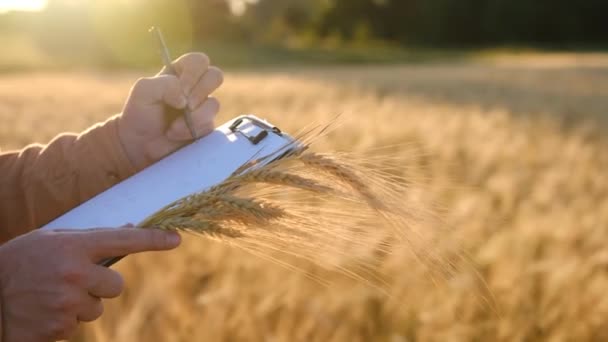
{"x": 447, "y": 22}
{"x": 113, "y": 30}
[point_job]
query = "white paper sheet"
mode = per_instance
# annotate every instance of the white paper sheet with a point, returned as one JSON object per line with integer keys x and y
{"x": 194, "y": 168}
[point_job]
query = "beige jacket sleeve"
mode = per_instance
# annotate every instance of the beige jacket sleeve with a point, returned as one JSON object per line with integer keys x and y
{"x": 39, "y": 183}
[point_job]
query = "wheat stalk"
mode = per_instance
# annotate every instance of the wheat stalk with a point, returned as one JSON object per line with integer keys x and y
{"x": 323, "y": 208}
{"x": 282, "y": 179}
{"x": 246, "y": 210}
{"x": 342, "y": 172}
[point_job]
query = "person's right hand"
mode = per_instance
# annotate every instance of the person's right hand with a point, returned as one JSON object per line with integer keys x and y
{"x": 50, "y": 280}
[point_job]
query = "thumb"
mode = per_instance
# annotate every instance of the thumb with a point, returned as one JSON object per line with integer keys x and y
{"x": 106, "y": 243}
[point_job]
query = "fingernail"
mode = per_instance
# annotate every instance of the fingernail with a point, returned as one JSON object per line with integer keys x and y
{"x": 173, "y": 239}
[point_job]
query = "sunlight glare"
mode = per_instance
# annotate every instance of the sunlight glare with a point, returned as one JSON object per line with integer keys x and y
{"x": 238, "y": 7}
{"x": 22, "y": 5}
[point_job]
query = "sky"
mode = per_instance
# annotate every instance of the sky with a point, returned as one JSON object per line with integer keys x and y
{"x": 22, "y": 5}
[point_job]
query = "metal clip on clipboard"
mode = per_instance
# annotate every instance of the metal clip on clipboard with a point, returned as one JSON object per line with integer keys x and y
{"x": 256, "y": 132}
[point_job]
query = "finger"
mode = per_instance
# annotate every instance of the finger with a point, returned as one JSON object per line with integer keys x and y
{"x": 92, "y": 309}
{"x": 202, "y": 120}
{"x": 87, "y": 230}
{"x": 103, "y": 282}
{"x": 163, "y": 88}
{"x": 102, "y": 244}
{"x": 190, "y": 68}
{"x": 209, "y": 82}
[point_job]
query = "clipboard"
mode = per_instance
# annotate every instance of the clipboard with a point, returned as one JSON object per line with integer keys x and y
{"x": 194, "y": 168}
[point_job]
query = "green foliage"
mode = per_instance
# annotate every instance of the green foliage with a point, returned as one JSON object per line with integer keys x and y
{"x": 433, "y": 22}
{"x": 115, "y": 32}
{"x": 473, "y": 22}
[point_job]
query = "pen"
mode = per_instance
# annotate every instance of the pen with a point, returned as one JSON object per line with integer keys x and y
{"x": 166, "y": 57}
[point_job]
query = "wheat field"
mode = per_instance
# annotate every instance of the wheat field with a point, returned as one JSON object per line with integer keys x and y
{"x": 510, "y": 157}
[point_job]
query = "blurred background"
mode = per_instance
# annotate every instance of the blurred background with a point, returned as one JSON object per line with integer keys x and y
{"x": 499, "y": 107}
{"x": 113, "y": 33}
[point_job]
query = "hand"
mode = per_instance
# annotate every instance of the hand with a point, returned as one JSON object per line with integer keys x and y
{"x": 50, "y": 280}
{"x": 152, "y": 124}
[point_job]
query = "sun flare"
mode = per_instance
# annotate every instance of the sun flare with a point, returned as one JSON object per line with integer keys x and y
{"x": 22, "y": 5}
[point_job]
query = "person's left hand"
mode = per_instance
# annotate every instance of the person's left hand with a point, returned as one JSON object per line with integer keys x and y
{"x": 152, "y": 123}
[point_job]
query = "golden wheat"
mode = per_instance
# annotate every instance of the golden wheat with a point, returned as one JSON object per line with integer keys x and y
{"x": 304, "y": 205}
{"x": 524, "y": 192}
